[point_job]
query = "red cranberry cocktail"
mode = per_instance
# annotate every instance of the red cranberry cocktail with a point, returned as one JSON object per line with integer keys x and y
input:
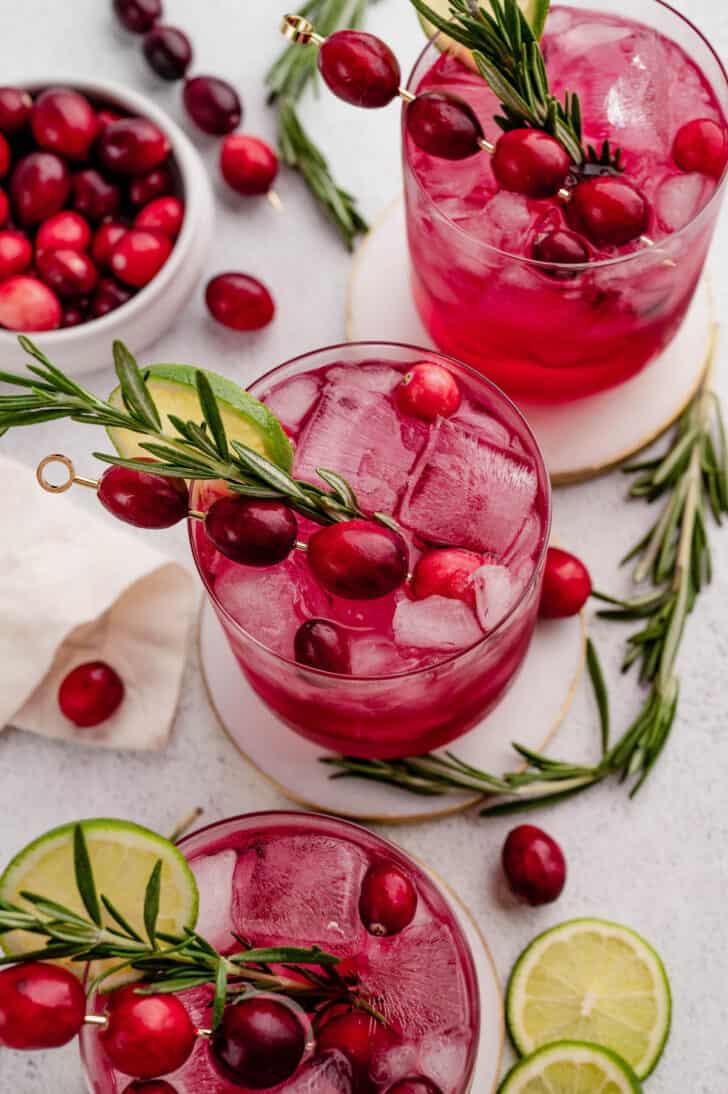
{"x": 295, "y": 879}
{"x": 411, "y": 653}
{"x": 546, "y": 297}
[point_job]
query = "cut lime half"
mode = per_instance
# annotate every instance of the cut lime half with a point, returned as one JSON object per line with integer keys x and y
{"x": 536, "y": 11}
{"x": 174, "y": 391}
{"x": 571, "y": 1067}
{"x": 122, "y": 857}
{"x": 590, "y": 980}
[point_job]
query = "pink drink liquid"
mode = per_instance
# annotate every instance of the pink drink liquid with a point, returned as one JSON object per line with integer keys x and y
{"x": 295, "y": 879}
{"x": 423, "y": 672}
{"x": 538, "y": 336}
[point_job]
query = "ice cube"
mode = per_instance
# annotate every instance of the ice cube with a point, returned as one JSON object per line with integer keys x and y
{"x": 375, "y": 655}
{"x": 415, "y": 979}
{"x": 466, "y": 492}
{"x": 679, "y": 198}
{"x": 299, "y": 889}
{"x": 436, "y": 623}
{"x": 479, "y": 418}
{"x": 292, "y": 400}
{"x": 591, "y": 35}
{"x": 503, "y": 222}
{"x": 328, "y": 1074}
{"x": 496, "y": 591}
{"x": 214, "y": 877}
{"x": 394, "y": 1063}
{"x": 380, "y": 378}
{"x": 443, "y": 1058}
{"x": 357, "y": 432}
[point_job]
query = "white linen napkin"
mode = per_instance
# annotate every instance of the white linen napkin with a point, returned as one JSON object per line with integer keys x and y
{"x": 75, "y": 588}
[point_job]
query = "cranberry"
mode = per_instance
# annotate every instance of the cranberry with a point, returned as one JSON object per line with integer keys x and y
{"x": 530, "y": 162}
{"x": 94, "y": 196}
{"x": 248, "y": 164}
{"x": 388, "y": 899}
{"x": 417, "y": 1084}
{"x": 73, "y": 316}
{"x": 428, "y": 391}
{"x": 64, "y": 230}
{"x": 154, "y": 184}
{"x": 250, "y": 531}
{"x": 41, "y": 1006}
{"x": 39, "y": 186}
{"x": 444, "y": 125}
{"x": 534, "y": 865}
{"x": 608, "y": 210}
{"x": 142, "y": 498}
{"x": 106, "y": 117}
{"x": 259, "y": 1043}
{"x": 563, "y": 248}
{"x": 139, "y": 256}
{"x": 321, "y": 644}
{"x": 446, "y": 572}
{"x": 354, "y": 1034}
{"x": 239, "y": 301}
{"x": 213, "y": 105}
{"x": 133, "y": 146}
{"x": 566, "y": 585}
{"x": 168, "y": 52}
{"x": 64, "y": 121}
{"x": 163, "y": 215}
{"x": 16, "y": 253}
{"x": 16, "y": 106}
{"x": 138, "y": 16}
{"x": 26, "y": 304}
{"x": 701, "y": 145}
{"x": 4, "y": 208}
{"x": 109, "y": 296}
{"x": 152, "y": 1086}
{"x": 90, "y": 694}
{"x": 69, "y": 273}
{"x": 147, "y": 1035}
{"x": 358, "y": 559}
{"x": 359, "y": 68}
{"x": 5, "y": 156}
{"x": 104, "y": 241}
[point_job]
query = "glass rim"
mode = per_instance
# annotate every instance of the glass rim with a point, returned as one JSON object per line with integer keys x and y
{"x": 576, "y": 267}
{"x": 456, "y": 654}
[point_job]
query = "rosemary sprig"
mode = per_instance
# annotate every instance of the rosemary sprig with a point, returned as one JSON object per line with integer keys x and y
{"x": 508, "y": 55}
{"x": 194, "y": 450}
{"x": 164, "y": 962}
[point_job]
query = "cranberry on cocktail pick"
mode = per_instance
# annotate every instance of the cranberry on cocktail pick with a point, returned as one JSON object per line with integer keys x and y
{"x": 252, "y": 531}
{"x": 168, "y": 51}
{"x": 323, "y": 644}
{"x": 16, "y": 106}
{"x": 446, "y": 572}
{"x": 608, "y": 210}
{"x": 530, "y": 162}
{"x": 701, "y": 145}
{"x": 248, "y": 164}
{"x": 90, "y": 694}
{"x": 563, "y": 248}
{"x": 239, "y": 301}
{"x": 41, "y": 1006}
{"x": 359, "y": 68}
{"x": 138, "y": 16}
{"x": 534, "y": 865}
{"x": 213, "y": 105}
{"x": 64, "y": 121}
{"x": 142, "y": 498}
{"x": 428, "y": 391}
{"x": 445, "y": 126}
{"x": 358, "y": 559}
{"x": 388, "y": 899}
{"x": 566, "y": 585}
{"x": 146, "y": 1036}
{"x": 260, "y": 1042}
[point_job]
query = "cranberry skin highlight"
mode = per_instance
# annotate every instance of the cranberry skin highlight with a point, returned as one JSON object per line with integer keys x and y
{"x": 609, "y": 211}
{"x": 701, "y": 145}
{"x": 566, "y": 585}
{"x": 239, "y": 301}
{"x": 321, "y": 644}
{"x": 444, "y": 126}
{"x": 388, "y": 900}
{"x": 64, "y": 121}
{"x": 446, "y": 572}
{"x": 259, "y": 1043}
{"x": 213, "y": 105}
{"x": 138, "y": 16}
{"x": 142, "y": 498}
{"x": 90, "y": 694}
{"x": 39, "y": 186}
{"x": 168, "y": 52}
{"x": 428, "y": 391}
{"x": 16, "y": 106}
{"x": 147, "y": 1035}
{"x": 248, "y": 165}
{"x": 530, "y": 162}
{"x": 27, "y": 304}
{"x": 65, "y": 230}
{"x": 358, "y": 559}
{"x": 163, "y": 215}
{"x": 250, "y": 531}
{"x": 534, "y": 865}
{"x": 359, "y": 68}
{"x": 41, "y": 1006}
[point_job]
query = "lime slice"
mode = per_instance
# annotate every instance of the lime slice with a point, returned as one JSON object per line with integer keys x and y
{"x": 245, "y": 419}
{"x": 122, "y": 856}
{"x": 589, "y": 980}
{"x": 571, "y": 1067}
{"x": 535, "y": 11}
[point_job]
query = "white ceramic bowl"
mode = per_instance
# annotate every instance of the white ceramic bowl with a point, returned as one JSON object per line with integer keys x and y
{"x": 147, "y": 315}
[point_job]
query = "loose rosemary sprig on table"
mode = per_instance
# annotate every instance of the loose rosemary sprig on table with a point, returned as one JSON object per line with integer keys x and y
{"x": 508, "y": 55}
{"x": 194, "y": 450}
{"x": 166, "y": 963}
{"x": 288, "y": 78}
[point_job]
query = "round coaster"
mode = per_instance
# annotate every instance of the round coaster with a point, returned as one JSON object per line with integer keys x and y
{"x": 579, "y": 440}
{"x": 530, "y": 713}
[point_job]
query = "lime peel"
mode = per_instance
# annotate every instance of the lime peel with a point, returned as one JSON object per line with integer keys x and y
{"x": 568, "y": 1066}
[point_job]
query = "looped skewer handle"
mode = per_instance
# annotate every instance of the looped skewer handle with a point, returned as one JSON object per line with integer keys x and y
{"x": 72, "y": 479}
{"x": 296, "y": 28}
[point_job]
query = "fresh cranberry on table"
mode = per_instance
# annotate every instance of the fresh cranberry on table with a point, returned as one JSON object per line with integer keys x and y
{"x": 359, "y": 68}
{"x": 324, "y": 645}
{"x": 443, "y": 125}
{"x": 69, "y": 273}
{"x": 16, "y": 253}
{"x": 64, "y": 230}
{"x": 162, "y": 215}
{"x": 416, "y": 1084}
{"x": 39, "y": 186}
{"x": 105, "y": 239}
{"x": 566, "y": 585}
{"x": 142, "y": 498}
{"x": 16, "y": 106}
{"x": 534, "y": 865}
{"x": 561, "y": 247}
{"x": 212, "y": 104}
{"x": 27, "y": 304}
{"x": 139, "y": 256}
{"x": 5, "y": 156}
{"x": 388, "y": 899}
{"x": 239, "y": 301}
{"x": 446, "y": 572}
{"x": 64, "y": 121}
{"x": 133, "y": 146}
{"x": 94, "y": 196}
{"x": 154, "y": 184}
{"x": 90, "y": 694}
{"x": 41, "y": 1006}
{"x": 168, "y": 51}
{"x": 147, "y": 1035}
{"x": 4, "y": 208}
{"x": 701, "y": 145}
{"x": 530, "y": 162}
{"x": 138, "y": 16}
{"x": 248, "y": 164}
{"x": 252, "y": 531}
{"x": 428, "y": 391}
{"x": 259, "y": 1043}
{"x": 109, "y": 296}
{"x": 609, "y": 211}
{"x": 358, "y": 559}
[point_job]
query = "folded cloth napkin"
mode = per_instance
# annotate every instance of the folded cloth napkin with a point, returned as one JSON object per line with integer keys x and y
{"x": 75, "y": 588}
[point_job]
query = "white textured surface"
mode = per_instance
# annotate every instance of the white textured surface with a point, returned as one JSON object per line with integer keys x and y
{"x": 659, "y": 863}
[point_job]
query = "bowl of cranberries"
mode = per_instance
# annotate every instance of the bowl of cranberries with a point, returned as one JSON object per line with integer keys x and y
{"x": 105, "y": 219}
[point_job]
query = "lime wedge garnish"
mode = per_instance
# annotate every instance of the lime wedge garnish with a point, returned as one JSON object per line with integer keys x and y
{"x": 245, "y": 419}
{"x": 571, "y": 1067}
{"x": 122, "y": 857}
{"x": 535, "y": 11}
{"x": 590, "y": 980}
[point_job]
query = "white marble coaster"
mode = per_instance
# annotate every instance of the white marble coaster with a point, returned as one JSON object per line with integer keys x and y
{"x": 579, "y": 440}
{"x": 530, "y": 713}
